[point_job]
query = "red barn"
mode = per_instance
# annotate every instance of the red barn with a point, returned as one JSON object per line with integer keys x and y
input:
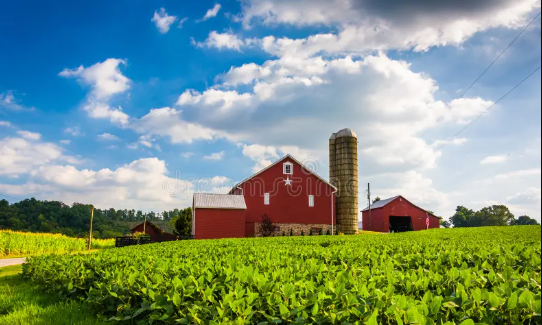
{"x": 218, "y": 216}
{"x": 397, "y": 214}
{"x": 294, "y": 198}
{"x": 149, "y": 228}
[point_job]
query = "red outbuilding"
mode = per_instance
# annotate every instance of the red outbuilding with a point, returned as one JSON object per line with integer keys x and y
{"x": 397, "y": 214}
{"x": 148, "y": 228}
{"x": 218, "y": 216}
{"x": 292, "y": 196}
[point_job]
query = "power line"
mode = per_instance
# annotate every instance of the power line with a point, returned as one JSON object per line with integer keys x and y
{"x": 483, "y": 113}
{"x": 498, "y": 57}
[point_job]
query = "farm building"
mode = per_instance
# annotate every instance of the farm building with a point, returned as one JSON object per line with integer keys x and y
{"x": 218, "y": 216}
{"x": 152, "y": 230}
{"x": 397, "y": 214}
{"x": 290, "y": 194}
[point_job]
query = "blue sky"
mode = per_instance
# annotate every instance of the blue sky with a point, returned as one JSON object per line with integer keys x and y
{"x": 105, "y": 102}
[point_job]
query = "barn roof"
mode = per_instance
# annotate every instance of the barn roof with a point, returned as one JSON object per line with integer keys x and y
{"x": 383, "y": 203}
{"x": 277, "y": 162}
{"x": 219, "y": 201}
{"x": 148, "y": 224}
{"x": 380, "y": 204}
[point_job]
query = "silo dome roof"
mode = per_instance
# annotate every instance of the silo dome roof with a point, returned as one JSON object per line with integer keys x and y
{"x": 345, "y": 133}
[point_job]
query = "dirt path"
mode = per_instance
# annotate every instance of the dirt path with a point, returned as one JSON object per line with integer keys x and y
{"x": 11, "y": 261}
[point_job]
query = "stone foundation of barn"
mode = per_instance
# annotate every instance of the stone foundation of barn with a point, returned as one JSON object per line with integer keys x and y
{"x": 296, "y": 228}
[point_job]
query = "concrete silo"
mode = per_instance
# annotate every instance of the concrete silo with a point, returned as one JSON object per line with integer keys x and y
{"x": 343, "y": 174}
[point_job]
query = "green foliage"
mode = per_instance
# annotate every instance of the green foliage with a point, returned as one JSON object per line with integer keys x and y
{"x": 328, "y": 232}
{"x": 283, "y": 233}
{"x": 320, "y": 232}
{"x": 310, "y": 232}
{"x": 33, "y": 215}
{"x": 495, "y": 215}
{"x": 23, "y": 243}
{"x": 183, "y": 222}
{"x": 377, "y": 199}
{"x": 445, "y": 223}
{"x": 487, "y": 275}
{"x": 302, "y": 233}
{"x": 22, "y": 303}
{"x": 266, "y": 226}
{"x": 525, "y": 221}
{"x": 291, "y": 232}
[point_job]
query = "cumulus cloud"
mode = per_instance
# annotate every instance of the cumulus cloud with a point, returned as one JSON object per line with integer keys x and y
{"x": 73, "y": 130}
{"x": 65, "y": 141}
{"x": 107, "y": 137}
{"x": 211, "y": 13}
{"x": 105, "y": 80}
{"x": 382, "y": 25}
{"x": 22, "y": 155}
{"x": 8, "y": 101}
{"x": 215, "y": 156}
{"x": 221, "y": 41}
{"x": 163, "y": 21}
{"x": 29, "y": 135}
{"x": 494, "y": 160}
{"x": 530, "y": 196}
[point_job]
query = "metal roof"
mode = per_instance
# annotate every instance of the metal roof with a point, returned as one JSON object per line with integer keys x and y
{"x": 381, "y": 203}
{"x": 219, "y": 201}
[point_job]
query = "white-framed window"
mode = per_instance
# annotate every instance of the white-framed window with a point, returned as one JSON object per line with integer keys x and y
{"x": 311, "y": 200}
{"x": 266, "y": 198}
{"x": 288, "y": 168}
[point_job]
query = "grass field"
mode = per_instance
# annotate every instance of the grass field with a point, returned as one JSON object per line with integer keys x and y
{"x": 442, "y": 276}
{"x": 23, "y": 303}
{"x": 16, "y": 244}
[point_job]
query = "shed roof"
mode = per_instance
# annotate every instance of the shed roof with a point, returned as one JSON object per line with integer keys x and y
{"x": 219, "y": 201}
{"x": 383, "y": 203}
{"x": 380, "y": 204}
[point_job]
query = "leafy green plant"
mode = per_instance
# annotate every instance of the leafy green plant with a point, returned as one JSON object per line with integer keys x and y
{"x": 291, "y": 232}
{"x": 489, "y": 275}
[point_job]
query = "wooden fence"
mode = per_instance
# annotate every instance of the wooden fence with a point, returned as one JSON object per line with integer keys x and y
{"x": 129, "y": 240}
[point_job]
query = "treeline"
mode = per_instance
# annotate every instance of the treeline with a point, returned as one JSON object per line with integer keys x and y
{"x": 56, "y": 217}
{"x": 495, "y": 215}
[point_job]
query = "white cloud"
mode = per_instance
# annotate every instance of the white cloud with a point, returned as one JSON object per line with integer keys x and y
{"x": 211, "y": 12}
{"x": 530, "y": 196}
{"x": 105, "y": 80}
{"x": 455, "y": 142}
{"x": 221, "y": 41}
{"x": 8, "y": 101}
{"x": 187, "y": 154}
{"x": 29, "y": 135}
{"x": 532, "y": 172}
{"x": 494, "y": 160}
{"x": 382, "y": 25}
{"x": 20, "y": 155}
{"x": 181, "y": 22}
{"x": 6, "y": 124}
{"x": 167, "y": 122}
{"x": 215, "y": 156}
{"x": 215, "y": 98}
{"x": 107, "y": 137}
{"x": 74, "y": 130}
{"x": 65, "y": 141}
{"x": 163, "y": 21}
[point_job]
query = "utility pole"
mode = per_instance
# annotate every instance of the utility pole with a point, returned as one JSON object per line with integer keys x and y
{"x": 90, "y": 232}
{"x": 145, "y": 224}
{"x": 369, "y": 198}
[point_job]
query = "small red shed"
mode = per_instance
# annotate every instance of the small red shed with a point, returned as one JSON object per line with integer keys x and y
{"x": 397, "y": 214}
{"x": 218, "y": 216}
{"x": 149, "y": 228}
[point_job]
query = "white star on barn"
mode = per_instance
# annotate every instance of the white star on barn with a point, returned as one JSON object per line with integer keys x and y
{"x": 287, "y": 181}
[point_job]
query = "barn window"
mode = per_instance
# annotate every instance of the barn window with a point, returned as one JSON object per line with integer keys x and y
{"x": 311, "y": 200}
{"x": 288, "y": 168}
{"x": 266, "y": 199}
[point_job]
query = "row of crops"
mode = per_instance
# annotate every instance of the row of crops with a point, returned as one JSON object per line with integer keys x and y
{"x": 440, "y": 276}
{"x": 14, "y": 243}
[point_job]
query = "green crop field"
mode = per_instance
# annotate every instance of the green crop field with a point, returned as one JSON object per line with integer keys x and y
{"x": 13, "y": 243}
{"x": 440, "y": 276}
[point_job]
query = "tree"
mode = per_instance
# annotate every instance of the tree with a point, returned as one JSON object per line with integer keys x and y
{"x": 266, "y": 227}
{"x": 462, "y": 217}
{"x": 183, "y": 224}
{"x": 524, "y": 221}
{"x": 495, "y": 215}
{"x": 377, "y": 199}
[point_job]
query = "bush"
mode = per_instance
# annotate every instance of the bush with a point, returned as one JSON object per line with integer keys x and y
{"x": 291, "y": 232}
{"x": 266, "y": 227}
{"x": 310, "y": 232}
{"x": 302, "y": 233}
{"x": 320, "y": 232}
{"x": 328, "y": 232}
